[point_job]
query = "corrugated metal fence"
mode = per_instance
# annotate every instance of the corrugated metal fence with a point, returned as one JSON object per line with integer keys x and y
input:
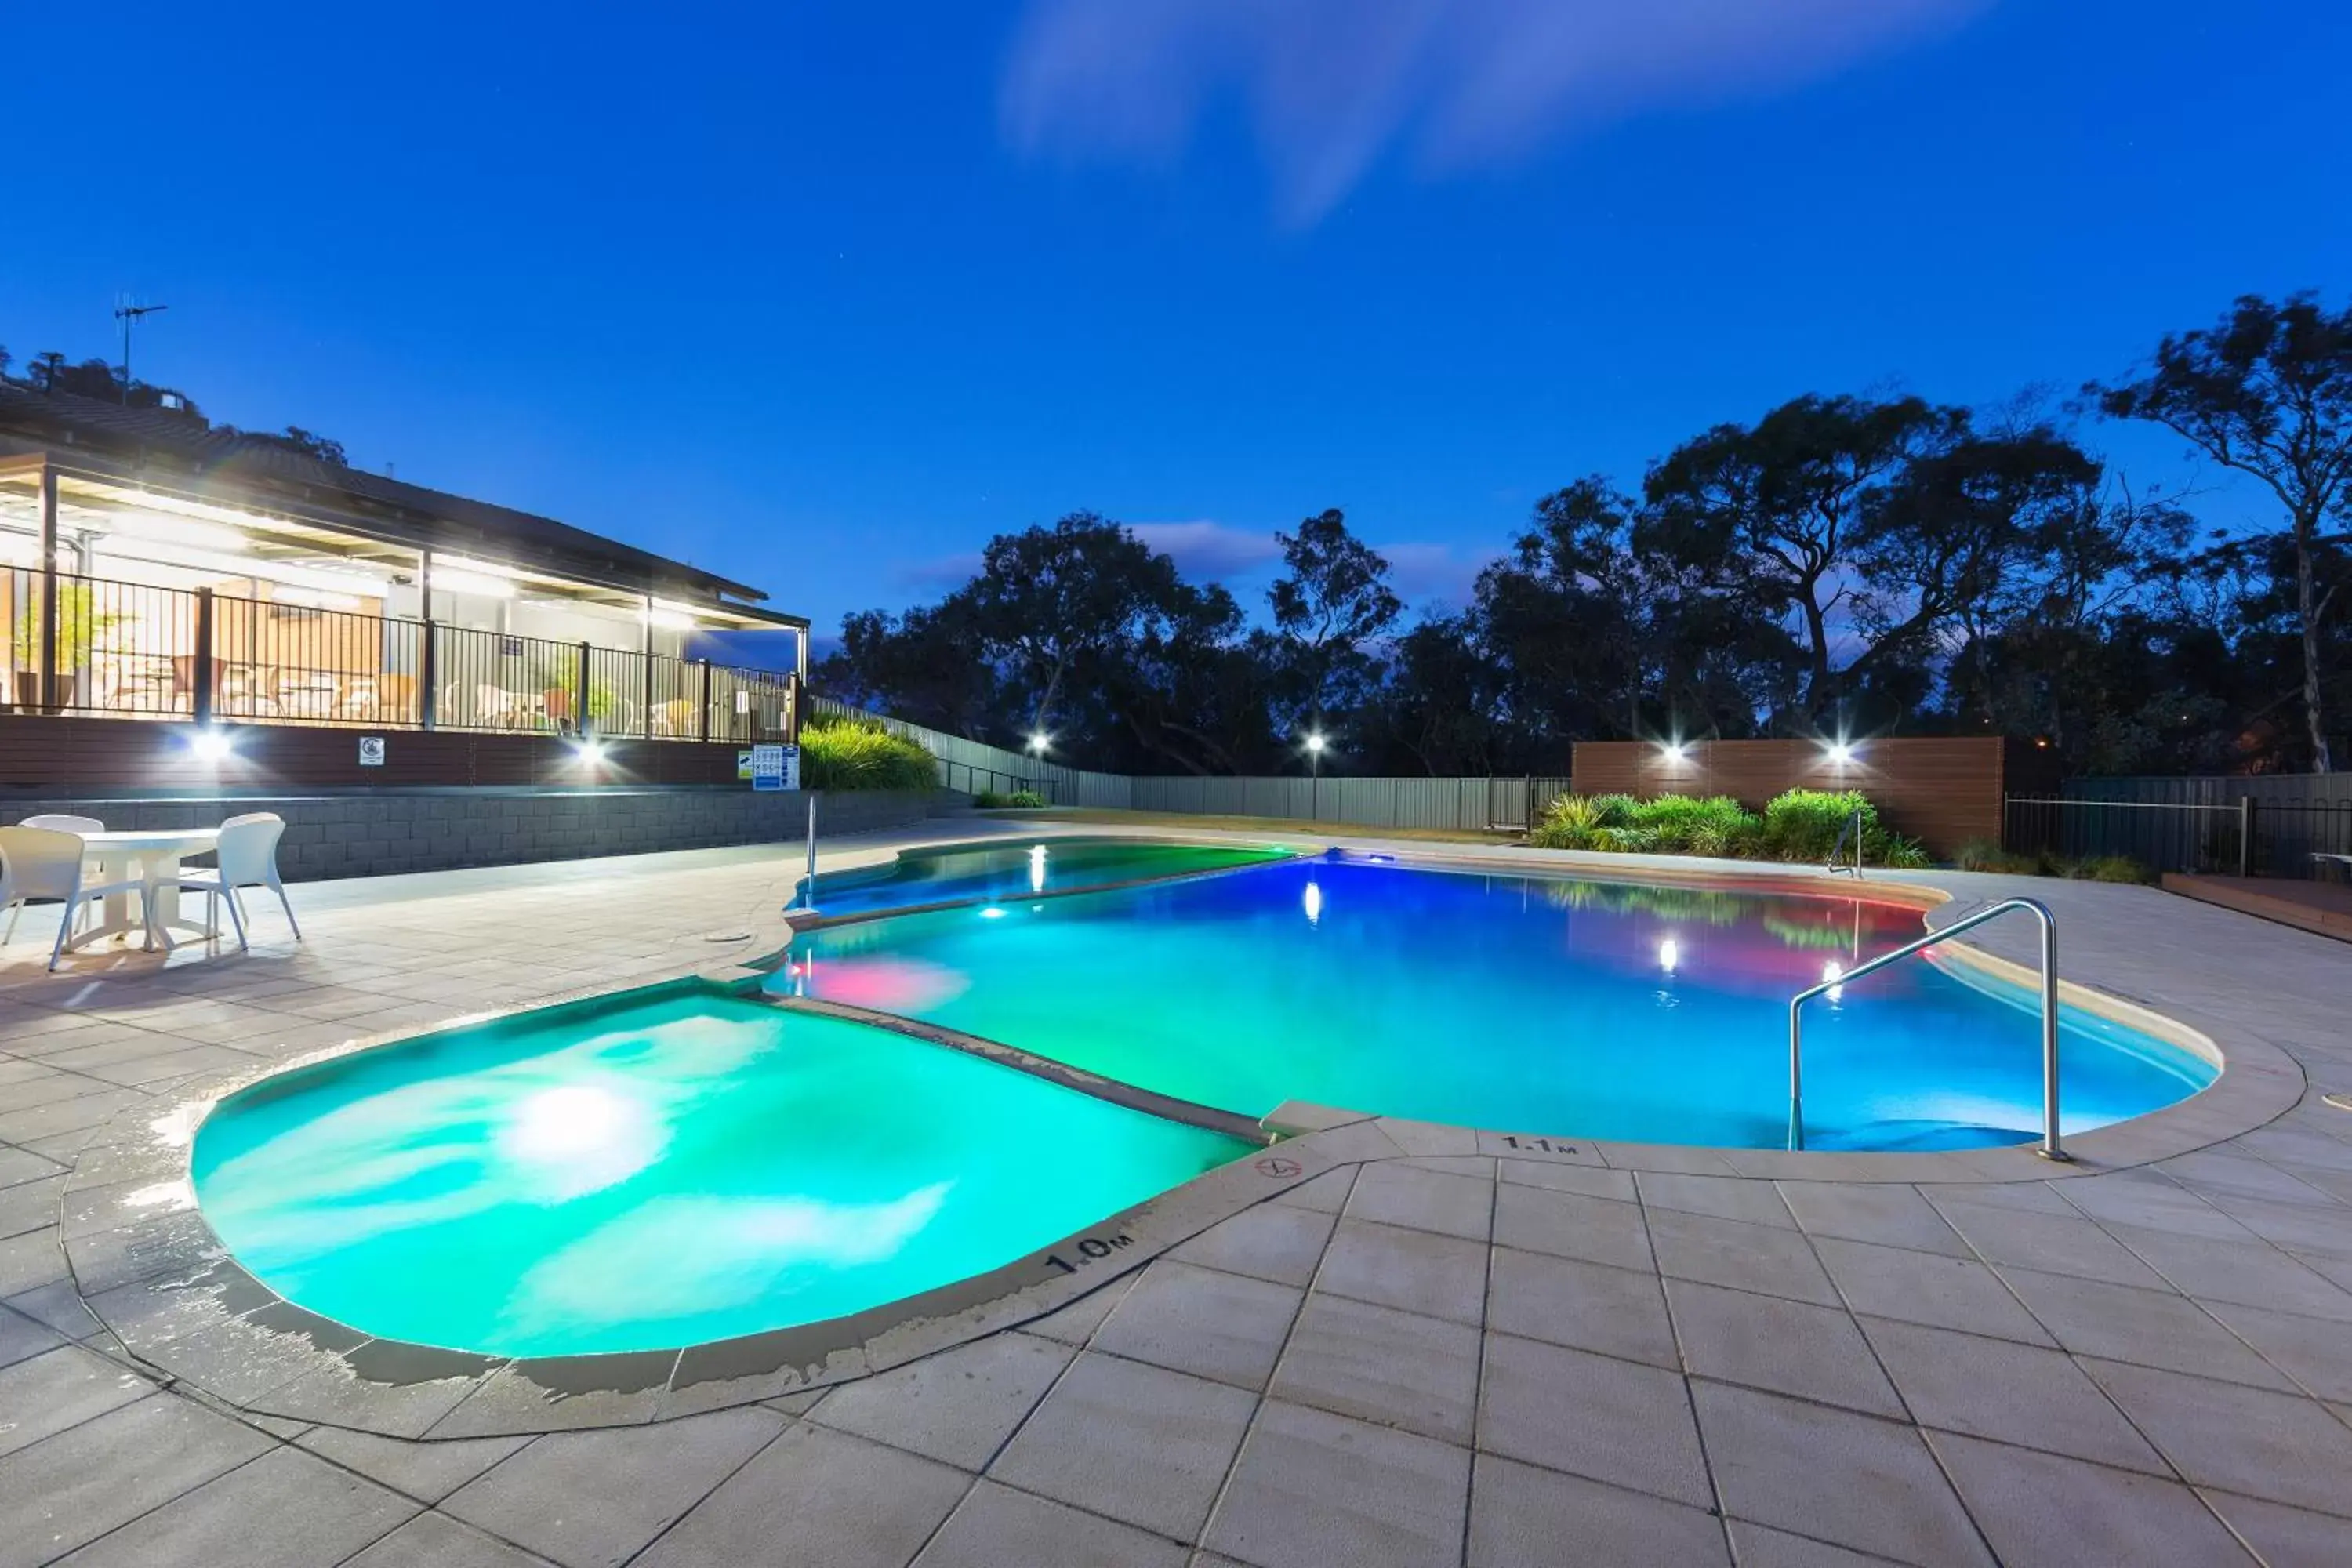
{"x": 2262, "y": 824}
{"x": 1459, "y": 804}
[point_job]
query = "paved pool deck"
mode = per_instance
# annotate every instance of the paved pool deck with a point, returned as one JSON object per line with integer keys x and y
{"x": 1449, "y": 1358}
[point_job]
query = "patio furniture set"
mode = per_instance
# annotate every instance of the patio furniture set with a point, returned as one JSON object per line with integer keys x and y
{"x": 76, "y": 861}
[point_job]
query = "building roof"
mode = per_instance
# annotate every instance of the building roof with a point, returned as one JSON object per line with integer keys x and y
{"x": 180, "y": 450}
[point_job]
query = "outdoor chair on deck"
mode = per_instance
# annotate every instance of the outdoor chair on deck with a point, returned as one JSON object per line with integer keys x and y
{"x": 249, "y": 858}
{"x": 44, "y": 863}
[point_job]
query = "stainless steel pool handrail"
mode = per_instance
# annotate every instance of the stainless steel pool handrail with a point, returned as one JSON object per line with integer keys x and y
{"x": 2051, "y": 1148}
{"x": 1851, "y": 826}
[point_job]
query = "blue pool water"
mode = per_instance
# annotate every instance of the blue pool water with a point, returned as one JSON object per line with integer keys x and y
{"x": 659, "y": 1173}
{"x": 1022, "y": 868}
{"x": 1581, "y": 1008}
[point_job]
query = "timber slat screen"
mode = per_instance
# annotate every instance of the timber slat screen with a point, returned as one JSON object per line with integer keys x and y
{"x": 128, "y": 650}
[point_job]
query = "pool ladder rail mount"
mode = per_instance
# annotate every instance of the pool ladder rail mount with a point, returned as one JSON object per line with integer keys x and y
{"x": 2050, "y": 1148}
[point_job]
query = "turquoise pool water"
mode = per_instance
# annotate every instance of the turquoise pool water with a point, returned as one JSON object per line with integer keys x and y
{"x": 1021, "y": 869}
{"x": 1590, "y": 1009}
{"x": 658, "y": 1174}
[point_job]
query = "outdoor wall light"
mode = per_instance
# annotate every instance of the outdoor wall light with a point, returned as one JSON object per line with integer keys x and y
{"x": 1840, "y": 753}
{"x": 590, "y": 751}
{"x": 211, "y": 745}
{"x": 1039, "y": 742}
{"x": 1675, "y": 751}
{"x": 1314, "y": 741}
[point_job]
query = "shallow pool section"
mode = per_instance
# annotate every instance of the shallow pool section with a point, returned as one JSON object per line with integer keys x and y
{"x": 1023, "y": 868}
{"x": 659, "y": 1173}
{"x": 1619, "y": 1011}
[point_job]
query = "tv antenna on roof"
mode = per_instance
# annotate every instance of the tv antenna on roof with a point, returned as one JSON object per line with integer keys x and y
{"x": 130, "y": 315}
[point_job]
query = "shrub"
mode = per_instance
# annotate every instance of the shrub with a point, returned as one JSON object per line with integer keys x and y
{"x": 1567, "y": 822}
{"x": 1804, "y": 824}
{"x": 1896, "y": 853}
{"x": 1986, "y": 855}
{"x": 2110, "y": 869}
{"x": 1685, "y": 826}
{"x": 993, "y": 800}
{"x": 859, "y": 753}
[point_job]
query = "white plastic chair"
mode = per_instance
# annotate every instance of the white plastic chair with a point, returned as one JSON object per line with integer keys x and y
{"x": 42, "y": 863}
{"x": 60, "y": 822}
{"x": 249, "y": 858}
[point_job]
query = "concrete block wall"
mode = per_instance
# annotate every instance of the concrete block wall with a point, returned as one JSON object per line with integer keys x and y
{"x": 383, "y": 832}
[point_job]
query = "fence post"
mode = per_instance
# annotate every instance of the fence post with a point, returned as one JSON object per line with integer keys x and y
{"x": 580, "y": 713}
{"x": 428, "y": 664}
{"x": 704, "y": 733}
{"x": 2245, "y": 836}
{"x": 201, "y": 700}
{"x": 794, "y": 691}
{"x": 45, "y": 667}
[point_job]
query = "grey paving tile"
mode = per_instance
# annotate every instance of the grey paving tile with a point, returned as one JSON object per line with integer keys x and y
{"x": 1075, "y": 1323}
{"x": 1327, "y": 1193}
{"x": 2297, "y": 1227}
{"x": 1768, "y": 1342}
{"x": 1759, "y": 1546}
{"x": 996, "y": 1526}
{"x": 1312, "y": 1489}
{"x": 2285, "y": 1537}
{"x": 2052, "y": 1244}
{"x": 2218, "y": 1171}
{"x": 958, "y": 1407}
{"x": 1281, "y": 1242}
{"x": 74, "y": 1487}
{"x": 2146, "y": 1197}
{"x": 436, "y": 1541}
{"x": 2283, "y": 1447}
{"x": 19, "y": 1165}
{"x": 61, "y": 1388}
{"x": 30, "y": 1260}
{"x": 2315, "y": 1351}
{"x": 58, "y": 1306}
{"x": 2152, "y": 1327}
{"x": 1392, "y": 1192}
{"x": 1521, "y": 1515}
{"x": 815, "y": 1499}
{"x": 285, "y": 1508}
{"x": 1926, "y": 1287}
{"x": 1137, "y": 1443}
{"x": 1591, "y": 1306}
{"x": 1851, "y": 1479}
{"x": 1567, "y": 1225}
{"x": 1397, "y": 1369}
{"x": 1884, "y": 1211}
{"x": 1767, "y": 1258}
{"x": 1562, "y": 1176}
{"x": 1592, "y": 1416}
{"x": 21, "y": 1336}
{"x": 591, "y": 1499}
{"x": 1748, "y": 1198}
{"x": 425, "y": 1471}
{"x": 30, "y": 1205}
{"x": 1413, "y": 1270}
{"x": 1200, "y": 1320}
{"x": 2038, "y": 1509}
{"x": 2253, "y": 1273}
{"x": 2010, "y": 1393}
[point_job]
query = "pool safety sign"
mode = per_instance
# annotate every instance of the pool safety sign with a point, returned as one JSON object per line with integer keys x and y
{"x": 775, "y": 767}
{"x": 371, "y": 751}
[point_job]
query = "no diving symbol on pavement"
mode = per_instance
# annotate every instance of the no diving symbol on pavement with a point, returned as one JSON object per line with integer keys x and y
{"x": 1278, "y": 1166}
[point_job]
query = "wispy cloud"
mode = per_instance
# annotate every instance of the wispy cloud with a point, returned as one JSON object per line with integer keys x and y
{"x": 1329, "y": 86}
{"x": 1441, "y": 574}
{"x": 1210, "y": 551}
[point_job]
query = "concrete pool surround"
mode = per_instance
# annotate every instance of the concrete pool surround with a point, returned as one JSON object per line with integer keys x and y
{"x": 143, "y": 1258}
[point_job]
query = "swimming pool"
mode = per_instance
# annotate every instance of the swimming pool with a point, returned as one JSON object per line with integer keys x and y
{"x": 659, "y": 1172}
{"x": 1632, "y": 1012}
{"x": 1021, "y": 869}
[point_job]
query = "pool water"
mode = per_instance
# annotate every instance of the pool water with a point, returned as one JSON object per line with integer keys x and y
{"x": 658, "y": 1174}
{"x": 1615, "y": 1011}
{"x": 1021, "y": 869}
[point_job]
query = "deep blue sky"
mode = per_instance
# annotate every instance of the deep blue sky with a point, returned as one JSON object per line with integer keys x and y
{"x": 823, "y": 295}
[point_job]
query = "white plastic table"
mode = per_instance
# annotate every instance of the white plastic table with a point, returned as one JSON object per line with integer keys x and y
{"x": 143, "y": 855}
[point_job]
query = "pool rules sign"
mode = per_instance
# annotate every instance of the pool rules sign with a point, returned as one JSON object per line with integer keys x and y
{"x": 775, "y": 767}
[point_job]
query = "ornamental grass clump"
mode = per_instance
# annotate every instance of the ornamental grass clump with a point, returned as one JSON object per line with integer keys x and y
{"x": 859, "y": 753}
{"x": 1802, "y": 825}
